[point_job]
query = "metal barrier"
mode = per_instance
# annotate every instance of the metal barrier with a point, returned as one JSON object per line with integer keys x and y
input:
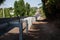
{"x": 28, "y": 21}
{"x": 17, "y": 22}
{"x": 21, "y": 27}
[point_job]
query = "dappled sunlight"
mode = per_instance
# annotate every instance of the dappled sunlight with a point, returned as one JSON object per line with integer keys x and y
{"x": 10, "y": 36}
{"x": 14, "y": 30}
{"x": 30, "y": 20}
{"x": 40, "y": 22}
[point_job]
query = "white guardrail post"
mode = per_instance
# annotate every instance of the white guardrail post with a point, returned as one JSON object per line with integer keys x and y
{"x": 30, "y": 21}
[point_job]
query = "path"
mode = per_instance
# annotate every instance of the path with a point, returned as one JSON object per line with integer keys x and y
{"x": 38, "y": 31}
{"x": 44, "y": 31}
{"x": 35, "y": 31}
{"x": 11, "y": 35}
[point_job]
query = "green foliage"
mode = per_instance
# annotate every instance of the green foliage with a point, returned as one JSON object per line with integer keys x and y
{"x": 22, "y": 9}
{"x": 10, "y": 8}
{"x": 19, "y": 8}
{"x": 32, "y": 11}
{"x": 51, "y": 8}
{"x": 1, "y": 1}
{"x": 42, "y": 12}
{"x": 6, "y": 13}
{"x": 1, "y": 13}
{"x": 27, "y": 9}
{"x": 10, "y": 11}
{"x": 16, "y": 8}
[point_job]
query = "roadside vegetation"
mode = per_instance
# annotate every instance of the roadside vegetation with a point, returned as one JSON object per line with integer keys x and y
{"x": 20, "y": 9}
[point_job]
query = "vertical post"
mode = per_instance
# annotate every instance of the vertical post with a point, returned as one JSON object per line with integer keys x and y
{"x": 26, "y": 27}
{"x": 20, "y": 30}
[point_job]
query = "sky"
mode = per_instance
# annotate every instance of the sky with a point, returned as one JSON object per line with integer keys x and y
{"x": 10, "y": 3}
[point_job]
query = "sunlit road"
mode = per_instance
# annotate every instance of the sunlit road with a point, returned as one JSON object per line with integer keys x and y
{"x": 5, "y": 27}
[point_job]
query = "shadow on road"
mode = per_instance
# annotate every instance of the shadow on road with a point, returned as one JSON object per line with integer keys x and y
{"x": 44, "y": 30}
{"x": 40, "y": 30}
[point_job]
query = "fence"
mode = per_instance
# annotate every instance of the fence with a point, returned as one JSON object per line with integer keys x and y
{"x": 28, "y": 21}
{"x": 23, "y": 23}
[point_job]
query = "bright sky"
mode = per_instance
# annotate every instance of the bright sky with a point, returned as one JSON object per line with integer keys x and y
{"x": 10, "y": 3}
{"x": 33, "y": 3}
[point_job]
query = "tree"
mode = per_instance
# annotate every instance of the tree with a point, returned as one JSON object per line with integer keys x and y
{"x": 11, "y": 11}
{"x": 22, "y": 7}
{"x": 19, "y": 8}
{"x": 27, "y": 9}
{"x": 32, "y": 11}
{"x": 7, "y": 13}
{"x": 51, "y": 9}
{"x": 16, "y": 8}
{"x": 1, "y": 1}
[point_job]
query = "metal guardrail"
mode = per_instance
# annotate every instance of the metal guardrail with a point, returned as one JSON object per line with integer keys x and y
{"x": 19, "y": 22}
{"x": 28, "y": 21}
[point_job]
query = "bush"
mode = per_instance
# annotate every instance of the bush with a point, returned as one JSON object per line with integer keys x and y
{"x": 51, "y": 9}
